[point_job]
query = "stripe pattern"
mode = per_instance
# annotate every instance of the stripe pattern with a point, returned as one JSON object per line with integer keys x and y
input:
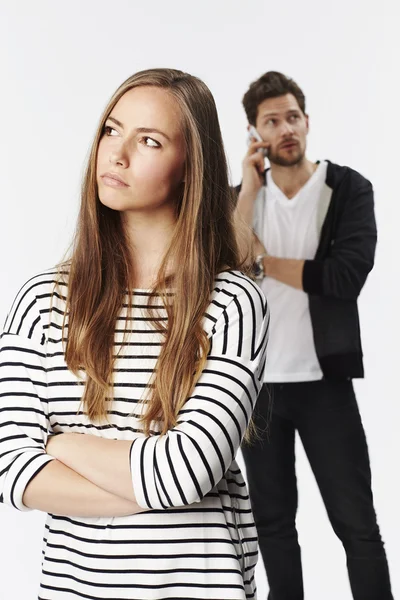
{"x": 197, "y": 539}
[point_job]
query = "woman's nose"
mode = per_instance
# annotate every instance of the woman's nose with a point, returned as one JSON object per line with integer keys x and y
{"x": 119, "y": 157}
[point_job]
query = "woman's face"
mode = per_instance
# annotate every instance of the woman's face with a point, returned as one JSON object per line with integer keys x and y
{"x": 141, "y": 155}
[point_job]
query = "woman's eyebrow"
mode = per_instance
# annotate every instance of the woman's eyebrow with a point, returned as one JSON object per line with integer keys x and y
{"x": 141, "y": 129}
{"x": 114, "y": 120}
{"x": 152, "y": 130}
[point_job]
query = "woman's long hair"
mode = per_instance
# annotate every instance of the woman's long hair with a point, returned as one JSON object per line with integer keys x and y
{"x": 203, "y": 244}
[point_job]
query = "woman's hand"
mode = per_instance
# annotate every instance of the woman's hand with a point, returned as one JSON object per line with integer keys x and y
{"x": 56, "y": 443}
{"x": 87, "y": 470}
{"x": 102, "y": 461}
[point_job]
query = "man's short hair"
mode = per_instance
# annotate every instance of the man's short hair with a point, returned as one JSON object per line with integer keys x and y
{"x": 270, "y": 85}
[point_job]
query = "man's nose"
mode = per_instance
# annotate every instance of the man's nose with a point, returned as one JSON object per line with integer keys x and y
{"x": 287, "y": 129}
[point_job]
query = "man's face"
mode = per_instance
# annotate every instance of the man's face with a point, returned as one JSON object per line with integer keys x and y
{"x": 282, "y": 124}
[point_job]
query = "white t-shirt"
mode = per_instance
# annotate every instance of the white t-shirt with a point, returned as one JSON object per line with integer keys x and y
{"x": 290, "y": 230}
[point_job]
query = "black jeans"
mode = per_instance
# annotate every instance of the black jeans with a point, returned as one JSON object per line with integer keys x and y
{"x": 326, "y": 415}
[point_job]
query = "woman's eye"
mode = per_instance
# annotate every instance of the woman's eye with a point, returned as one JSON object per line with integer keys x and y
{"x": 148, "y": 141}
{"x": 110, "y": 131}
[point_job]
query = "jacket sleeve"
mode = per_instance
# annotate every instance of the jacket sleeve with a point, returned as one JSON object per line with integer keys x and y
{"x": 181, "y": 467}
{"x": 344, "y": 271}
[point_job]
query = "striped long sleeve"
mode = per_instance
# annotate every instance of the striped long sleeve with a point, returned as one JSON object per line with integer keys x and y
{"x": 23, "y": 418}
{"x": 181, "y": 467}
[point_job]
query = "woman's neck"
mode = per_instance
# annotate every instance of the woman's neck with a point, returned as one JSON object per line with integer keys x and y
{"x": 150, "y": 236}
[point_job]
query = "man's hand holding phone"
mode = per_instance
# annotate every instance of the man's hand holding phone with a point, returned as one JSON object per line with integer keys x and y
{"x": 254, "y": 164}
{"x": 253, "y": 180}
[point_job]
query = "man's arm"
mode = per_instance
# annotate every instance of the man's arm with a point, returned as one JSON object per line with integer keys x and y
{"x": 289, "y": 271}
{"x": 253, "y": 180}
{"x": 286, "y": 270}
{"x": 344, "y": 271}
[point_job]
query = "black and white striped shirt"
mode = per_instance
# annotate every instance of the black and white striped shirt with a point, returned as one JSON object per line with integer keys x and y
{"x": 197, "y": 539}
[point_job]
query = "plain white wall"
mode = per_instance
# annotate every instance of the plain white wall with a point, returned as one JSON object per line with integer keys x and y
{"x": 60, "y": 62}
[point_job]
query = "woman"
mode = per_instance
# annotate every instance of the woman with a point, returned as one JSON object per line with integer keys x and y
{"x": 129, "y": 374}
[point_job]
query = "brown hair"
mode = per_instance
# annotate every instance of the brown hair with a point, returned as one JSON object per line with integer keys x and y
{"x": 100, "y": 269}
{"x": 270, "y": 85}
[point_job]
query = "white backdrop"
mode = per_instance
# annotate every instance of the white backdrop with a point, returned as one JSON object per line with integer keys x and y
{"x": 60, "y": 62}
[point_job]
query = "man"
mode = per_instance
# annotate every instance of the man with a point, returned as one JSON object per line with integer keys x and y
{"x": 314, "y": 236}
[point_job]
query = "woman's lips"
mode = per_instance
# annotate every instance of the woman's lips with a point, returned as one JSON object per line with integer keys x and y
{"x": 113, "y": 181}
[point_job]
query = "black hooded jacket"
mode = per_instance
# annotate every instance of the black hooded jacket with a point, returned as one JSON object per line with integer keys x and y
{"x": 334, "y": 279}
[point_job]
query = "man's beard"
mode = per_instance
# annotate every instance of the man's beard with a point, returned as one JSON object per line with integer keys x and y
{"x": 277, "y": 159}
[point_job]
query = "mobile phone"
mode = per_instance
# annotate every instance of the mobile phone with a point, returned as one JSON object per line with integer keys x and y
{"x": 253, "y": 133}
